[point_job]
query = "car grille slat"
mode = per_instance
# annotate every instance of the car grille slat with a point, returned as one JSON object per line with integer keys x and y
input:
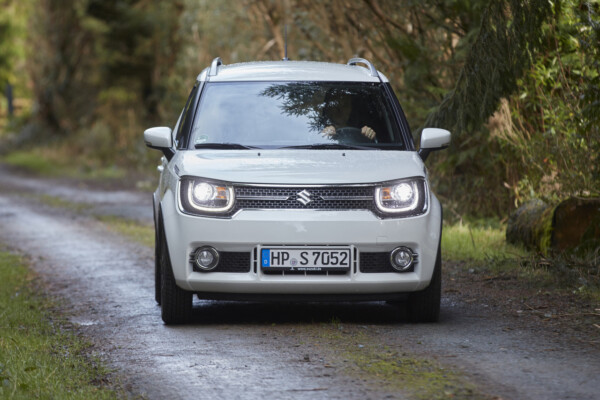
{"x": 304, "y": 198}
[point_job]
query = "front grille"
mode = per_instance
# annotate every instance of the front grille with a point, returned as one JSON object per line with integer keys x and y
{"x": 230, "y": 261}
{"x": 305, "y": 198}
{"x": 377, "y": 263}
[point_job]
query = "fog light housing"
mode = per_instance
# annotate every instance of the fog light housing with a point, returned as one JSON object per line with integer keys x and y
{"x": 402, "y": 258}
{"x": 206, "y": 258}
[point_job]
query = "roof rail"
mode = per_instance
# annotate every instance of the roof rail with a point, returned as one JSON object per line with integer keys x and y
{"x": 214, "y": 65}
{"x": 372, "y": 70}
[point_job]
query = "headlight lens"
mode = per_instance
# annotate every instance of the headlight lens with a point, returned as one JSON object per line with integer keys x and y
{"x": 403, "y": 198}
{"x": 199, "y": 196}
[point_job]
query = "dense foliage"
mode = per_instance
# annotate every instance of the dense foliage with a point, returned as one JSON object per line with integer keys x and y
{"x": 516, "y": 81}
{"x": 543, "y": 139}
{"x": 554, "y": 129}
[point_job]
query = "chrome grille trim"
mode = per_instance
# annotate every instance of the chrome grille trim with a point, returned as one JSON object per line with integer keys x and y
{"x": 268, "y": 198}
{"x": 333, "y": 198}
{"x": 305, "y": 186}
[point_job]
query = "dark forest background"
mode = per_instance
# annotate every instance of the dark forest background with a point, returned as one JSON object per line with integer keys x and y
{"x": 517, "y": 82}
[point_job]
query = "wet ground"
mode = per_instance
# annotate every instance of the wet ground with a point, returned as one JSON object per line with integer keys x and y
{"x": 258, "y": 351}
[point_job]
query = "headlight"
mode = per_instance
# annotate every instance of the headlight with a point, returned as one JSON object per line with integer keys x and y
{"x": 199, "y": 196}
{"x": 403, "y": 198}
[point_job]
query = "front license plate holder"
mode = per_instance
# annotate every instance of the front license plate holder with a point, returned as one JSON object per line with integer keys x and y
{"x": 310, "y": 258}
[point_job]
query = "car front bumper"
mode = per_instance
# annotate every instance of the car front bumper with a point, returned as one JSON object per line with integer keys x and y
{"x": 361, "y": 230}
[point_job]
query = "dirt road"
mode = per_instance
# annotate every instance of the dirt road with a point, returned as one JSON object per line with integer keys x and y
{"x": 260, "y": 351}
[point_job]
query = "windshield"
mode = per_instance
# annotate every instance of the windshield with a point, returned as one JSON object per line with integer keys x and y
{"x": 323, "y": 115}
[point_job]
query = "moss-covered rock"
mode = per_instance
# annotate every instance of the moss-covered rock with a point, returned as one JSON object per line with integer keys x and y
{"x": 572, "y": 225}
{"x": 576, "y": 224}
{"x": 527, "y": 224}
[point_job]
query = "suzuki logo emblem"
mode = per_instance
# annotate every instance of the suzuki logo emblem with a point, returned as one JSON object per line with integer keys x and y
{"x": 304, "y": 197}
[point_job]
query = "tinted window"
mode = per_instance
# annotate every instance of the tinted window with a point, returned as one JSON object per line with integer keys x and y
{"x": 185, "y": 115}
{"x": 295, "y": 113}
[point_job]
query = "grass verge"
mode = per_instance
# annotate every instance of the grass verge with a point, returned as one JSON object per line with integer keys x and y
{"x": 393, "y": 369}
{"x": 138, "y": 232}
{"x": 477, "y": 242}
{"x": 57, "y": 162}
{"x": 481, "y": 246}
{"x": 134, "y": 230}
{"x": 58, "y": 202}
{"x": 39, "y": 356}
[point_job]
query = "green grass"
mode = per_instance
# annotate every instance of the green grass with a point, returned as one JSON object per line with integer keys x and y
{"x": 39, "y": 356}
{"x": 31, "y": 163}
{"x": 138, "y": 232}
{"x": 477, "y": 242}
{"x": 481, "y": 245}
{"x": 53, "y": 162}
{"x": 134, "y": 230}
{"x": 58, "y": 202}
{"x": 392, "y": 369}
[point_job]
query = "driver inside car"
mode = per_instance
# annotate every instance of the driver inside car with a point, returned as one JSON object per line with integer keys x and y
{"x": 337, "y": 114}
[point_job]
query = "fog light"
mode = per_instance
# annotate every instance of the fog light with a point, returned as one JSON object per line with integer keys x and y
{"x": 402, "y": 258}
{"x": 206, "y": 258}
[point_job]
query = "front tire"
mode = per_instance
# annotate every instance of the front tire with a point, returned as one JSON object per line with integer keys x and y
{"x": 157, "y": 268}
{"x": 176, "y": 303}
{"x": 424, "y": 305}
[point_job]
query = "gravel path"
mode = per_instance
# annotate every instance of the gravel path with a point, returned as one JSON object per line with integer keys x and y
{"x": 257, "y": 351}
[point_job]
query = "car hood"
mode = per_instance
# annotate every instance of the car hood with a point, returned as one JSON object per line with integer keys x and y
{"x": 300, "y": 166}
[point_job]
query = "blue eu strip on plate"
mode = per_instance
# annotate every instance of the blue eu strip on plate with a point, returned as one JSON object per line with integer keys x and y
{"x": 266, "y": 257}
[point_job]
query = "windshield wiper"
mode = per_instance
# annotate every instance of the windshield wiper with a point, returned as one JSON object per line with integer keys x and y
{"x": 225, "y": 146}
{"x": 332, "y": 146}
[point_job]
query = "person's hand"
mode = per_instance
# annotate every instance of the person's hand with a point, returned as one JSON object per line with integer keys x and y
{"x": 328, "y": 132}
{"x": 368, "y": 132}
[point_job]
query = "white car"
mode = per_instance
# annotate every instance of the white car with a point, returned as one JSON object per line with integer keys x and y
{"x": 293, "y": 181}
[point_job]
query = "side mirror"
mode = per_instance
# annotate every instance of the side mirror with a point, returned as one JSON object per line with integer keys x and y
{"x": 433, "y": 139}
{"x": 158, "y": 138}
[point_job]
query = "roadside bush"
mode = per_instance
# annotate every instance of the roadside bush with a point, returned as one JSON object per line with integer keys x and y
{"x": 544, "y": 140}
{"x": 555, "y": 130}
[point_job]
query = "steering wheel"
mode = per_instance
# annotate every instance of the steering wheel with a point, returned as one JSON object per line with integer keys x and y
{"x": 348, "y": 131}
{"x": 351, "y": 134}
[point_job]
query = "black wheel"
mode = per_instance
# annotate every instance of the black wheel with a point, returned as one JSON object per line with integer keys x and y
{"x": 424, "y": 305}
{"x": 176, "y": 303}
{"x": 157, "y": 272}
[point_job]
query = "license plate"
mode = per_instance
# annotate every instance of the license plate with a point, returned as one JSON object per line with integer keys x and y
{"x": 306, "y": 258}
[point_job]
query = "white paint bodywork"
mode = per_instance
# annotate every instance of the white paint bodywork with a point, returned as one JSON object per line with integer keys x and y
{"x": 248, "y": 229}
{"x": 435, "y": 138}
{"x": 291, "y": 71}
{"x": 158, "y": 137}
{"x": 300, "y": 167}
